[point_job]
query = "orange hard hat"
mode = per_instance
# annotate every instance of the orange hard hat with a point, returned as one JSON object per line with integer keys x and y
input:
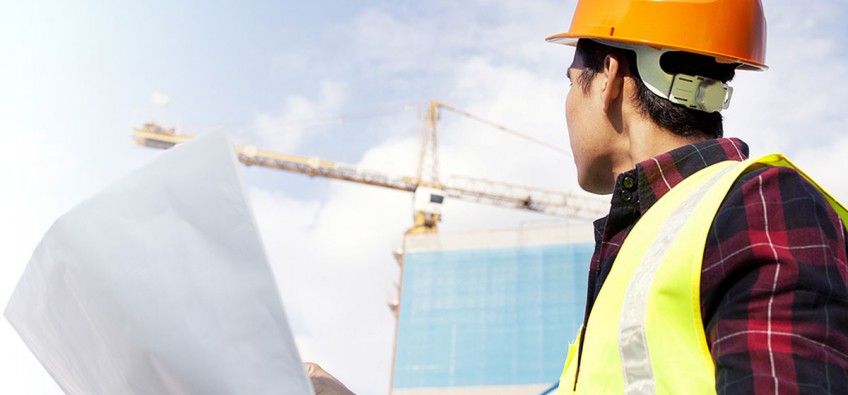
{"x": 732, "y": 31}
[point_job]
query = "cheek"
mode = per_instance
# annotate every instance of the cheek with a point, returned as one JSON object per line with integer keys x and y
{"x": 570, "y": 115}
{"x": 572, "y": 120}
{"x": 579, "y": 137}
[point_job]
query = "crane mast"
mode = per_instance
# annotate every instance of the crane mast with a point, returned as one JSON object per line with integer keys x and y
{"x": 429, "y": 190}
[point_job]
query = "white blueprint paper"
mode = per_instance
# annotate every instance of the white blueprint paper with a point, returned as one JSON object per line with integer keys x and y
{"x": 160, "y": 285}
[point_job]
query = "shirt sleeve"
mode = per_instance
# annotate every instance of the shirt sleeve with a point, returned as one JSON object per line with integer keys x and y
{"x": 773, "y": 289}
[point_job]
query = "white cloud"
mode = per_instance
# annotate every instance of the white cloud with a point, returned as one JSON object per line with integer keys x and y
{"x": 826, "y": 165}
{"x": 517, "y": 31}
{"x": 518, "y": 99}
{"x": 334, "y": 266}
{"x": 395, "y": 157}
{"x": 287, "y": 130}
{"x": 391, "y": 44}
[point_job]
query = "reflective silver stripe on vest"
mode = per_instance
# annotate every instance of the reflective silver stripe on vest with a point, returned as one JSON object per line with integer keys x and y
{"x": 633, "y": 340}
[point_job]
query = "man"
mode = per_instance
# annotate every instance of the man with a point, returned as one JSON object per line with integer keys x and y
{"x": 711, "y": 274}
{"x": 708, "y": 276}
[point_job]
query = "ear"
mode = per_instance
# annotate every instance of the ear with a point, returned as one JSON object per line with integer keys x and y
{"x": 613, "y": 82}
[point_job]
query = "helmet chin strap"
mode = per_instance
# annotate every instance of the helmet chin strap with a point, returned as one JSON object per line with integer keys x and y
{"x": 693, "y": 91}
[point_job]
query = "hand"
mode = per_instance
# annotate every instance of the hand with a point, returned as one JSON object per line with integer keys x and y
{"x": 323, "y": 382}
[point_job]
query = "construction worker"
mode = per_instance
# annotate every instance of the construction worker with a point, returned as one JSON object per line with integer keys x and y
{"x": 712, "y": 272}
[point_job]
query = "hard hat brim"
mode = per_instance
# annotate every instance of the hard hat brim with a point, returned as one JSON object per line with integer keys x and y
{"x": 571, "y": 39}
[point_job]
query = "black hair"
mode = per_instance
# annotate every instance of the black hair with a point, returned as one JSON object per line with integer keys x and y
{"x": 676, "y": 118}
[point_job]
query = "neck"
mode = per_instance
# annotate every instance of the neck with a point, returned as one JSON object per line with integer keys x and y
{"x": 644, "y": 140}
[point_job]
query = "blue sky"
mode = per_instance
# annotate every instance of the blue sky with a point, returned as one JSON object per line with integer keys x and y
{"x": 76, "y": 77}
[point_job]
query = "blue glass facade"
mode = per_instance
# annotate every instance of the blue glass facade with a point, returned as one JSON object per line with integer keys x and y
{"x": 489, "y": 317}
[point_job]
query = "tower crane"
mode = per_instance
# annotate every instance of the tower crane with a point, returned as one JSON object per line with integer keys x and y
{"x": 430, "y": 191}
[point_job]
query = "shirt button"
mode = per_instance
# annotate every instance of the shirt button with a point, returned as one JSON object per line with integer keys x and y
{"x": 628, "y": 182}
{"x": 626, "y": 196}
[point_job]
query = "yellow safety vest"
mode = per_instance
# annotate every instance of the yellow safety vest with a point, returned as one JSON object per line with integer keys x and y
{"x": 645, "y": 334}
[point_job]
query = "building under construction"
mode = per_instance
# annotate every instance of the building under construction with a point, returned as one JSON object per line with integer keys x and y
{"x": 489, "y": 312}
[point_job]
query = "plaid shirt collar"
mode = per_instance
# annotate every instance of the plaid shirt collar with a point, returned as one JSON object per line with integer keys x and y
{"x": 636, "y": 190}
{"x": 645, "y": 184}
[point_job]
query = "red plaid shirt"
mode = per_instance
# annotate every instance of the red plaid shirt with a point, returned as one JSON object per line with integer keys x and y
{"x": 773, "y": 285}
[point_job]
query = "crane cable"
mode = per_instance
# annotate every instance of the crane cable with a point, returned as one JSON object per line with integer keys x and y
{"x": 315, "y": 122}
{"x": 505, "y": 129}
{"x": 340, "y": 118}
